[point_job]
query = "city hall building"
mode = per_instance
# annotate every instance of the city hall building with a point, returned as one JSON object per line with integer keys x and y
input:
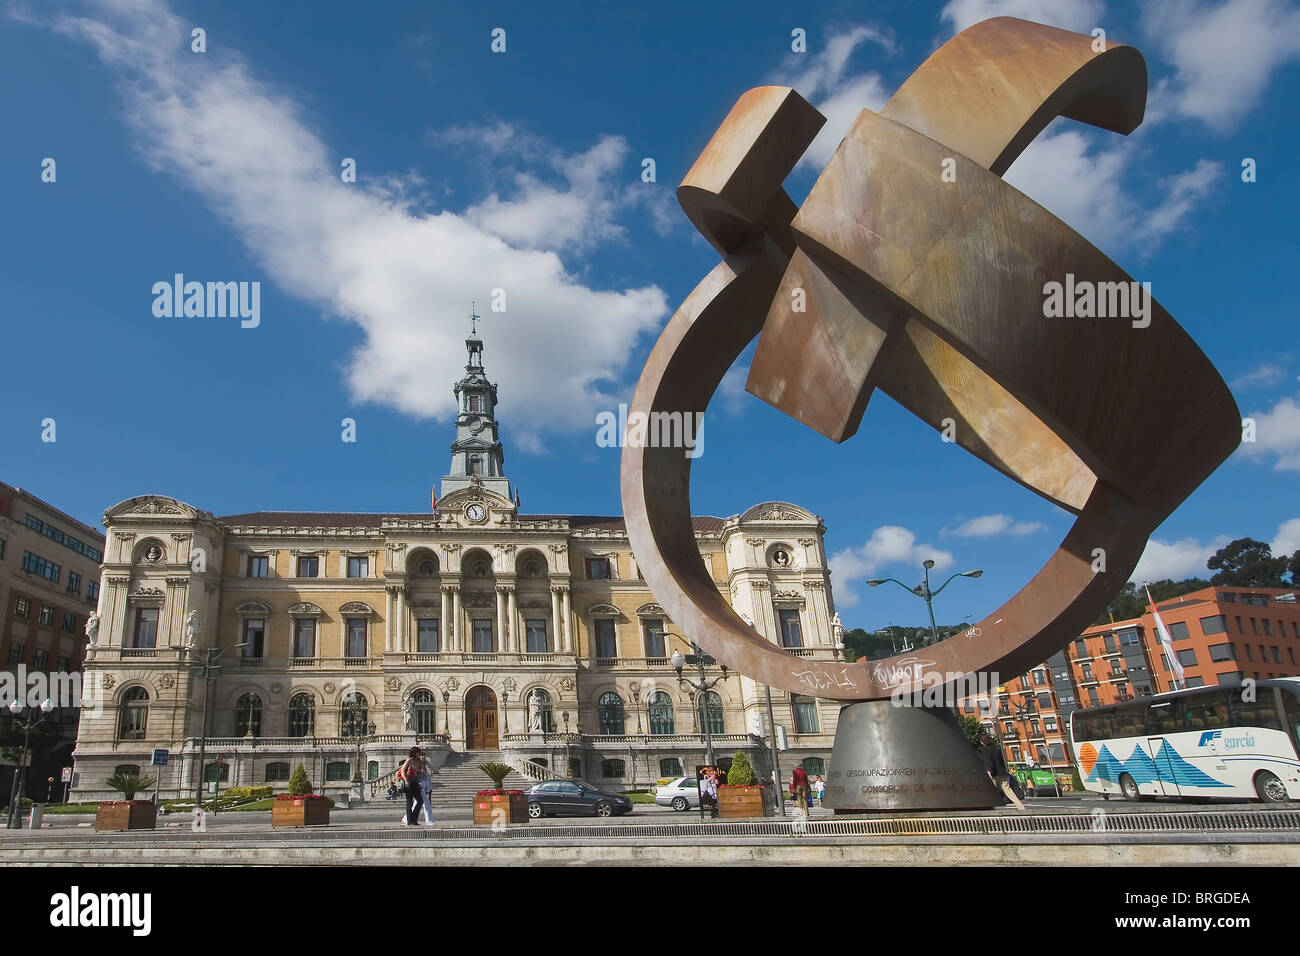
{"x": 472, "y": 630}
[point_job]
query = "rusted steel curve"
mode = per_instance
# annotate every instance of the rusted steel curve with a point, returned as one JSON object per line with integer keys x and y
{"x": 931, "y": 290}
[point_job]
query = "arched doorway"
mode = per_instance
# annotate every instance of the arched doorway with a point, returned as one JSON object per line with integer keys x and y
{"x": 481, "y": 719}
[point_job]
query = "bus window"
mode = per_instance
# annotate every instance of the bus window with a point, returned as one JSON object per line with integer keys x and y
{"x": 1092, "y": 726}
{"x": 1166, "y": 718}
{"x": 1261, "y": 712}
{"x": 1207, "y": 713}
{"x": 1129, "y": 722}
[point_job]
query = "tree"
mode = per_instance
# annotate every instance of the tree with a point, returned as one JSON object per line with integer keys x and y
{"x": 1131, "y": 601}
{"x": 973, "y": 730}
{"x": 129, "y": 783}
{"x": 741, "y": 773}
{"x": 299, "y": 784}
{"x": 1248, "y": 563}
{"x": 497, "y": 772}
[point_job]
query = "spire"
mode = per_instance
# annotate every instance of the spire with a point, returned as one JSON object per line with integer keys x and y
{"x": 477, "y": 458}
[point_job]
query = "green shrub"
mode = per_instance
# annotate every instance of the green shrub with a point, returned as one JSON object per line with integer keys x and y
{"x": 249, "y": 793}
{"x": 299, "y": 783}
{"x": 129, "y": 783}
{"x": 497, "y": 772}
{"x": 741, "y": 773}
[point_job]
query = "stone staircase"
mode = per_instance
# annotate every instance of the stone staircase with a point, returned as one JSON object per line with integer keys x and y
{"x": 456, "y": 782}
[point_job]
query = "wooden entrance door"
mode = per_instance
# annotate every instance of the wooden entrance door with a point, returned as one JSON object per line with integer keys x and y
{"x": 481, "y": 719}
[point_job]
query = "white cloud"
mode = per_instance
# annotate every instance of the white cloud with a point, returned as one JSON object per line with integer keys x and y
{"x": 822, "y": 78}
{"x": 888, "y": 545}
{"x": 1265, "y": 375}
{"x": 1078, "y": 15}
{"x": 365, "y": 253}
{"x": 987, "y": 526}
{"x": 1287, "y": 541}
{"x": 1176, "y": 560}
{"x": 731, "y": 391}
{"x": 1224, "y": 55}
{"x": 1277, "y": 434}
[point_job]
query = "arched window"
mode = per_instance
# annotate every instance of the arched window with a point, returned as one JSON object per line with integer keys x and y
{"x": 670, "y": 767}
{"x": 134, "y": 714}
{"x": 248, "y": 716}
{"x": 424, "y": 716}
{"x": 127, "y": 769}
{"x": 612, "y": 769}
{"x": 661, "y": 713}
{"x": 218, "y": 770}
{"x": 353, "y": 712}
{"x": 372, "y": 770}
{"x": 338, "y": 770}
{"x": 610, "y": 713}
{"x": 711, "y": 711}
{"x": 276, "y": 772}
{"x": 302, "y": 716}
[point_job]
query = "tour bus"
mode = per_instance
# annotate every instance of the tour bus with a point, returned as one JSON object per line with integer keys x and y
{"x": 1223, "y": 741}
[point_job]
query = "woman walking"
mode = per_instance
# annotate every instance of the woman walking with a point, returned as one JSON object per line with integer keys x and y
{"x": 425, "y": 781}
{"x": 410, "y": 774}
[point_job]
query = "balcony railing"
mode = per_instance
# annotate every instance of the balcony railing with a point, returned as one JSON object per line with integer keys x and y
{"x": 693, "y": 740}
{"x": 332, "y": 663}
{"x": 315, "y": 743}
{"x": 129, "y": 653}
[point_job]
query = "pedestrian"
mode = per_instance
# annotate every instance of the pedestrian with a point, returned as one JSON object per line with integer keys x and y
{"x": 410, "y": 776}
{"x": 709, "y": 791}
{"x": 995, "y": 765}
{"x": 425, "y": 781}
{"x": 819, "y": 790}
{"x": 799, "y": 787}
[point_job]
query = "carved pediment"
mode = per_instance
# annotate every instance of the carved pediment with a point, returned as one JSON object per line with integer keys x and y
{"x": 777, "y": 511}
{"x": 355, "y": 608}
{"x": 253, "y": 609}
{"x": 651, "y": 610}
{"x": 152, "y": 506}
{"x": 603, "y": 610}
{"x": 305, "y": 609}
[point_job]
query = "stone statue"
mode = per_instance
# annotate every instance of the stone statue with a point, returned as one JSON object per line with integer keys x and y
{"x": 192, "y": 629}
{"x": 408, "y": 712}
{"x": 92, "y": 628}
{"x": 535, "y": 713}
{"x": 837, "y": 629}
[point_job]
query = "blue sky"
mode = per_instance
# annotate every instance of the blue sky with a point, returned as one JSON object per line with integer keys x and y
{"x": 522, "y": 170}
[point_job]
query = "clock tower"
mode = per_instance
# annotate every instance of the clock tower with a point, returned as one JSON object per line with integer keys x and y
{"x": 477, "y": 458}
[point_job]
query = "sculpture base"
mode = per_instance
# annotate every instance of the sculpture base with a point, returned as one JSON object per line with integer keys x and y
{"x": 891, "y": 758}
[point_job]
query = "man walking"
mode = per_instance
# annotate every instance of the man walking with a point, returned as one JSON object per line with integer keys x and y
{"x": 996, "y": 767}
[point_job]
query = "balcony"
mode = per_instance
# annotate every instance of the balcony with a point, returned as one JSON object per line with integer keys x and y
{"x": 629, "y": 663}
{"x": 332, "y": 663}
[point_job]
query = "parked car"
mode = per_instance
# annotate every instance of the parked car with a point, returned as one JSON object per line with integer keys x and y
{"x": 680, "y": 794}
{"x": 574, "y": 798}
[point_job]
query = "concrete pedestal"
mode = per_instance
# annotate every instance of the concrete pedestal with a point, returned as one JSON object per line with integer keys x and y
{"x": 889, "y": 758}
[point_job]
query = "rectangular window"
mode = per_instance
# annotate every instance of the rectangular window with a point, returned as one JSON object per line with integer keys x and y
{"x": 1128, "y": 636}
{"x": 257, "y": 565}
{"x": 535, "y": 635}
{"x": 2, "y": 547}
{"x": 805, "y": 714}
{"x": 1093, "y": 699}
{"x": 304, "y": 637}
{"x": 356, "y": 647}
{"x": 65, "y": 665}
{"x": 92, "y": 591}
{"x": 1268, "y": 627}
{"x": 1239, "y": 627}
{"x": 254, "y": 638}
{"x": 70, "y": 623}
{"x": 47, "y": 615}
{"x": 146, "y": 627}
{"x": 1049, "y": 724}
{"x": 39, "y": 659}
{"x": 1187, "y": 657}
{"x": 1277, "y": 654}
{"x": 483, "y": 638}
{"x": 788, "y": 623}
{"x": 1214, "y": 624}
{"x": 308, "y": 567}
{"x": 1228, "y": 597}
{"x": 1195, "y": 682}
{"x": 16, "y": 653}
{"x": 426, "y": 635}
{"x": 1087, "y": 672}
{"x": 1254, "y": 626}
{"x": 598, "y": 569}
{"x": 1040, "y": 676}
{"x": 1222, "y": 652}
{"x": 74, "y": 582}
{"x": 1080, "y": 649}
{"x": 606, "y": 642}
{"x": 358, "y": 567}
{"x": 1045, "y": 701}
{"x": 1178, "y": 631}
{"x": 1109, "y": 641}
{"x": 1250, "y": 654}
{"x": 654, "y": 639}
{"x": 34, "y": 564}
{"x": 22, "y": 607}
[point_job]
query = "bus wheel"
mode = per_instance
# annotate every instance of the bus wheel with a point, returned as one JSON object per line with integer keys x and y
{"x": 1128, "y": 786}
{"x": 1269, "y": 787}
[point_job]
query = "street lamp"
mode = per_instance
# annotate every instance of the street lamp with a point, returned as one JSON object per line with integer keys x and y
{"x": 15, "y": 708}
{"x": 208, "y": 671}
{"x": 924, "y": 591}
{"x": 636, "y": 704}
{"x": 698, "y": 659}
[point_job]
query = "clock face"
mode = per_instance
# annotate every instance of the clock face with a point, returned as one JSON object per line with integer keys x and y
{"x": 475, "y": 513}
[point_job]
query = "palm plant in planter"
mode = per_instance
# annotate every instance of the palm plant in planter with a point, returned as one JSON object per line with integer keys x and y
{"x": 300, "y": 807}
{"x": 741, "y": 796}
{"x": 499, "y": 805}
{"x": 128, "y": 814}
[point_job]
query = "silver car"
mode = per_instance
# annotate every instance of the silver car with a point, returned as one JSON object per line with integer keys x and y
{"x": 680, "y": 794}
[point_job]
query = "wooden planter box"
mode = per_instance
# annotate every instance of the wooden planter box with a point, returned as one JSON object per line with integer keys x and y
{"x": 300, "y": 812}
{"x": 133, "y": 815}
{"x": 515, "y": 806}
{"x": 743, "y": 802}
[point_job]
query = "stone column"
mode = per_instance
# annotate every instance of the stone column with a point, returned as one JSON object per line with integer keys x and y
{"x": 389, "y": 637}
{"x": 512, "y": 615}
{"x": 403, "y": 629}
{"x": 556, "y": 630}
{"x": 113, "y": 631}
{"x": 503, "y": 627}
{"x": 457, "y": 632}
{"x": 444, "y": 639}
{"x": 570, "y": 645}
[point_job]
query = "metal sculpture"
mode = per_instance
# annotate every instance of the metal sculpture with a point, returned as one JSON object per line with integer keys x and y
{"x": 922, "y": 274}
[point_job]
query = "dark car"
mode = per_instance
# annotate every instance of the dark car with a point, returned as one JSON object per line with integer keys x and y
{"x": 574, "y": 798}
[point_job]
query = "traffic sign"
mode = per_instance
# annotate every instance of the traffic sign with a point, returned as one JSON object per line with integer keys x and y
{"x": 160, "y": 757}
{"x": 66, "y": 775}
